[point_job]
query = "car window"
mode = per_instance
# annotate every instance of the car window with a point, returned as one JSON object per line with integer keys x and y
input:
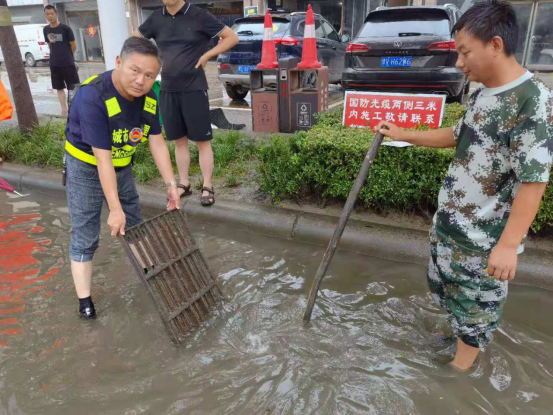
{"x": 394, "y": 23}
{"x": 319, "y": 33}
{"x": 330, "y": 32}
{"x": 256, "y": 28}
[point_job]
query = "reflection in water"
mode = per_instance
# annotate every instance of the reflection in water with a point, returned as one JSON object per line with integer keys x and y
{"x": 372, "y": 347}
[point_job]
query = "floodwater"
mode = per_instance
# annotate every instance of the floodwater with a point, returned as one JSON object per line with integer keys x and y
{"x": 371, "y": 347}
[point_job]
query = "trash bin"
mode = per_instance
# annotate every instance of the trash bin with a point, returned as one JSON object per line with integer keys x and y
{"x": 308, "y": 96}
{"x": 283, "y": 82}
{"x": 264, "y": 102}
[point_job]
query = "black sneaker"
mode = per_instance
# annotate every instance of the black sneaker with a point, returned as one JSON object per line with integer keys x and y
{"x": 88, "y": 313}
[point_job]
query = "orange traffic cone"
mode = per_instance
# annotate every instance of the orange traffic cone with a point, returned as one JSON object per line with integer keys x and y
{"x": 268, "y": 54}
{"x": 309, "y": 53}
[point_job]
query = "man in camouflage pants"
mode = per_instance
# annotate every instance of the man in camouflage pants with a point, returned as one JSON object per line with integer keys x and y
{"x": 494, "y": 186}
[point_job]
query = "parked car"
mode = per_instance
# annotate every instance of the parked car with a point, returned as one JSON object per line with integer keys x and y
{"x": 406, "y": 49}
{"x": 235, "y": 65}
{"x": 32, "y": 45}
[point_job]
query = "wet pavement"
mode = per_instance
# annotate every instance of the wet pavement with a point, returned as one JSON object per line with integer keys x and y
{"x": 237, "y": 112}
{"x": 371, "y": 347}
{"x": 47, "y": 105}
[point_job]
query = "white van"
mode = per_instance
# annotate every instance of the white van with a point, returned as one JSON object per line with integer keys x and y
{"x": 32, "y": 45}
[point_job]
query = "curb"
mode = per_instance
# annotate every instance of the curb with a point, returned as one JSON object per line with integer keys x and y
{"x": 384, "y": 241}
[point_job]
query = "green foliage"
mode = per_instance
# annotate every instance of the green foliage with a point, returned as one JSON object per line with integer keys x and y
{"x": 44, "y": 147}
{"x": 280, "y": 166}
{"x": 327, "y": 160}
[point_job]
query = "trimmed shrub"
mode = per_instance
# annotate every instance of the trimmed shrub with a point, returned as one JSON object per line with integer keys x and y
{"x": 327, "y": 160}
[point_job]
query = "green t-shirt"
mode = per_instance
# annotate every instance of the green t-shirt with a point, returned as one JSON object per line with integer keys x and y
{"x": 504, "y": 139}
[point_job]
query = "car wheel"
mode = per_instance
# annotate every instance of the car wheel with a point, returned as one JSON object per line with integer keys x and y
{"x": 30, "y": 60}
{"x": 236, "y": 93}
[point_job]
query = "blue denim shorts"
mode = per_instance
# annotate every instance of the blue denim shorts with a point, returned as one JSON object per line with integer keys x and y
{"x": 85, "y": 198}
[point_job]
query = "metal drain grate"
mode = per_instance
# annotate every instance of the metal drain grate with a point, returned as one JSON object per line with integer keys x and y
{"x": 178, "y": 278}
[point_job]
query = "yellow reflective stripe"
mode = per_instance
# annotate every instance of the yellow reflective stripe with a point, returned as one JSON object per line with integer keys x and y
{"x": 150, "y": 105}
{"x": 90, "y": 159}
{"x": 79, "y": 154}
{"x": 122, "y": 162}
{"x": 89, "y": 80}
{"x": 113, "y": 107}
{"x": 146, "y": 130}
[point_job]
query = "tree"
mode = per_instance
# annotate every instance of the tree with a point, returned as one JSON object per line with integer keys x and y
{"x": 23, "y": 100}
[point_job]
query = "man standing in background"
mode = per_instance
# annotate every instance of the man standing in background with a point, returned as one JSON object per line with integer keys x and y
{"x": 62, "y": 44}
{"x": 182, "y": 31}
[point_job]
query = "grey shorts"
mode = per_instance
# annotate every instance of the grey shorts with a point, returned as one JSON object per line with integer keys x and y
{"x": 85, "y": 198}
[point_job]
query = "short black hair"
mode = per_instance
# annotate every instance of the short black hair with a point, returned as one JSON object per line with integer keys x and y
{"x": 142, "y": 46}
{"x": 50, "y": 7}
{"x": 488, "y": 19}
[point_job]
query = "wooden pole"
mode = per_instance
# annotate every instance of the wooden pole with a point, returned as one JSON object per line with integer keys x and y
{"x": 23, "y": 100}
{"x": 348, "y": 208}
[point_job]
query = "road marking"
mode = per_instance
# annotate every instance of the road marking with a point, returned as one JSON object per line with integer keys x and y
{"x": 335, "y": 104}
{"x": 216, "y": 99}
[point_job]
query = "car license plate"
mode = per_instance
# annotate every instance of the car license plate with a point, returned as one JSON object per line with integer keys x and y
{"x": 396, "y": 61}
{"x": 245, "y": 68}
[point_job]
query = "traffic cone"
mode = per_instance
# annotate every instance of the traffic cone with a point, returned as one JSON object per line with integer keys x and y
{"x": 309, "y": 53}
{"x": 268, "y": 54}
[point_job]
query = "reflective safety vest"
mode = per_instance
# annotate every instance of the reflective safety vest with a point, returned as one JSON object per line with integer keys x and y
{"x": 124, "y": 137}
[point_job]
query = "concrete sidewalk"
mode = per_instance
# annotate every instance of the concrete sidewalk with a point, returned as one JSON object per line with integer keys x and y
{"x": 377, "y": 238}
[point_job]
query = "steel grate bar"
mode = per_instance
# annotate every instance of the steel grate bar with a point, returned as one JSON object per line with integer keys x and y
{"x": 177, "y": 279}
{"x": 167, "y": 265}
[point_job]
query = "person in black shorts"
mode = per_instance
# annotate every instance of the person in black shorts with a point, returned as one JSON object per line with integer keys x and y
{"x": 182, "y": 31}
{"x": 62, "y": 44}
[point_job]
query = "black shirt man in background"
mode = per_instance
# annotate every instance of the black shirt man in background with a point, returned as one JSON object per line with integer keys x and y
{"x": 62, "y": 44}
{"x": 182, "y": 31}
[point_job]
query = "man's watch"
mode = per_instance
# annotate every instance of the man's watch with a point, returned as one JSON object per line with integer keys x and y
{"x": 169, "y": 184}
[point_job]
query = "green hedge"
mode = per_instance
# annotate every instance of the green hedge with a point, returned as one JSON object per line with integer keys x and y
{"x": 326, "y": 161}
{"x": 44, "y": 147}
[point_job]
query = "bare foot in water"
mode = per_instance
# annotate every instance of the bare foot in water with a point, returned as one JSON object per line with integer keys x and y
{"x": 465, "y": 356}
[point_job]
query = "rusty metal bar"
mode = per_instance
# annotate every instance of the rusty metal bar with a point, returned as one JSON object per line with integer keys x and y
{"x": 177, "y": 277}
{"x": 195, "y": 285}
{"x": 168, "y": 264}
{"x": 178, "y": 291}
{"x": 196, "y": 297}
{"x": 350, "y": 203}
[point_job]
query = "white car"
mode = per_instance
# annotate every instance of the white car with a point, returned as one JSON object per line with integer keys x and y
{"x": 32, "y": 44}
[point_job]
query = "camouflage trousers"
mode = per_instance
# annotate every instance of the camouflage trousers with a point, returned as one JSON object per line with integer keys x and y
{"x": 460, "y": 284}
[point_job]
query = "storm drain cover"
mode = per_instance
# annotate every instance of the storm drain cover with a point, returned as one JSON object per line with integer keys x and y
{"x": 174, "y": 272}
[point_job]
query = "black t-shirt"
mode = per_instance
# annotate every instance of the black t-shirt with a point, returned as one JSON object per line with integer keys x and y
{"x": 183, "y": 39}
{"x": 60, "y": 50}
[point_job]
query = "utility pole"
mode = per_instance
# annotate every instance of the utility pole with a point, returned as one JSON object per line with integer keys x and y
{"x": 23, "y": 100}
{"x": 114, "y": 28}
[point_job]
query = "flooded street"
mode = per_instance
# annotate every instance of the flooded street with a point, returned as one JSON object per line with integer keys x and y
{"x": 372, "y": 348}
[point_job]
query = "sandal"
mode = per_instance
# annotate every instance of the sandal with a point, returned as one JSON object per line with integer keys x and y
{"x": 187, "y": 190}
{"x": 209, "y": 199}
